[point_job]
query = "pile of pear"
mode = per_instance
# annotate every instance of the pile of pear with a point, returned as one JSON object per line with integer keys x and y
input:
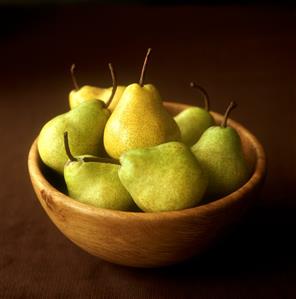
{"x": 119, "y": 148}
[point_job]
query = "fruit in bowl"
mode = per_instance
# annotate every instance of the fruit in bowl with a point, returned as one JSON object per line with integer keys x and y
{"x": 154, "y": 201}
{"x": 88, "y": 93}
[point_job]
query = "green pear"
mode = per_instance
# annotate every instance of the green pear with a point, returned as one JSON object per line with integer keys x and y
{"x": 165, "y": 177}
{"x": 86, "y": 125}
{"x": 219, "y": 151}
{"x": 88, "y": 92}
{"x": 194, "y": 121}
{"x": 94, "y": 181}
{"x": 139, "y": 120}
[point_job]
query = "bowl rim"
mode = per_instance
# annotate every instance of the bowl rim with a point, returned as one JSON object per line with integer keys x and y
{"x": 64, "y": 200}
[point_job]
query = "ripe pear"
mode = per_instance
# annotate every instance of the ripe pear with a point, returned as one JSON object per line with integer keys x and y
{"x": 194, "y": 121}
{"x": 219, "y": 151}
{"x": 88, "y": 92}
{"x": 94, "y": 181}
{"x": 139, "y": 120}
{"x": 165, "y": 177}
{"x": 86, "y": 125}
{"x": 106, "y": 92}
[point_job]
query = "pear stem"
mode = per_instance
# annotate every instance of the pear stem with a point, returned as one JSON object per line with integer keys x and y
{"x": 141, "y": 81}
{"x": 231, "y": 106}
{"x": 114, "y": 84}
{"x": 73, "y": 66}
{"x": 204, "y": 93}
{"x": 67, "y": 148}
{"x": 100, "y": 159}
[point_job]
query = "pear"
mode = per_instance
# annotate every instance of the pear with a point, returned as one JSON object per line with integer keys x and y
{"x": 194, "y": 121}
{"x": 86, "y": 125}
{"x": 94, "y": 181}
{"x": 165, "y": 177}
{"x": 87, "y": 93}
{"x": 139, "y": 120}
{"x": 219, "y": 151}
{"x": 106, "y": 93}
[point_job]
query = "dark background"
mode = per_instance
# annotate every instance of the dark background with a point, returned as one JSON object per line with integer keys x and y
{"x": 240, "y": 52}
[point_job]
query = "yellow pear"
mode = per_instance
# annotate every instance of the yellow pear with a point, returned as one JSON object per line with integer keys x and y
{"x": 105, "y": 95}
{"x": 139, "y": 120}
{"x": 87, "y": 93}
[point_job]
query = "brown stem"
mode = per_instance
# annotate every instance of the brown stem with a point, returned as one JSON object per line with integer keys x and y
{"x": 231, "y": 106}
{"x": 102, "y": 160}
{"x": 204, "y": 93}
{"x": 141, "y": 81}
{"x": 67, "y": 148}
{"x": 85, "y": 159}
{"x": 73, "y": 66}
{"x": 114, "y": 84}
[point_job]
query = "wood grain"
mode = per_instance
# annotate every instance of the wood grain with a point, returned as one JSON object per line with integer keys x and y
{"x": 149, "y": 239}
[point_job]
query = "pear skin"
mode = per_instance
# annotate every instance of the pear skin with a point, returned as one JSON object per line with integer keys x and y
{"x": 192, "y": 123}
{"x": 219, "y": 152}
{"x": 85, "y": 124}
{"x": 97, "y": 184}
{"x": 165, "y": 177}
{"x": 87, "y": 93}
{"x": 106, "y": 95}
{"x": 139, "y": 120}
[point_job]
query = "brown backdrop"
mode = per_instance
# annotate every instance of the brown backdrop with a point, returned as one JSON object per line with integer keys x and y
{"x": 245, "y": 53}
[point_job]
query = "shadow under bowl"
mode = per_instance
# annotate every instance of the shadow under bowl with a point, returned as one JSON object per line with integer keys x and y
{"x": 148, "y": 239}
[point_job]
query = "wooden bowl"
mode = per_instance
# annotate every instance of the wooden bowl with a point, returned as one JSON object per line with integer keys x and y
{"x": 148, "y": 239}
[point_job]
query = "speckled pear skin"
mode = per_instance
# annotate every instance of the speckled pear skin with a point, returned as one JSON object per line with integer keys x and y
{"x": 139, "y": 120}
{"x": 97, "y": 184}
{"x": 192, "y": 123}
{"x": 219, "y": 152}
{"x": 106, "y": 95}
{"x": 87, "y": 93}
{"x": 85, "y": 125}
{"x": 165, "y": 177}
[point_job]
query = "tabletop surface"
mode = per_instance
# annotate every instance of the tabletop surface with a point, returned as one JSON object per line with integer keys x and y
{"x": 245, "y": 53}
